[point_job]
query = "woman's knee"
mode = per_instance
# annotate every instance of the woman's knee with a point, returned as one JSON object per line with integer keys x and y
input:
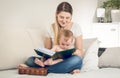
{"x": 30, "y": 61}
{"x": 76, "y": 59}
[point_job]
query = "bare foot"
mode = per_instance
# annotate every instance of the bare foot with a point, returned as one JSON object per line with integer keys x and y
{"x": 48, "y": 62}
{"x": 22, "y": 66}
{"x": 39, "y": 62}
{"x": 75, "y": 71}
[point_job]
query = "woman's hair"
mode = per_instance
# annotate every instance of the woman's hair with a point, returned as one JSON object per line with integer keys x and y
{"x": 62, "y": 7}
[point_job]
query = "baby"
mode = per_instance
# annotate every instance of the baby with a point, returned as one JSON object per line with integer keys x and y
{"x": 65, "y": 39}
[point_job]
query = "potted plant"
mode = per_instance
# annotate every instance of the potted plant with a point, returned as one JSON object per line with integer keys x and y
{"x": 112, "y": 7}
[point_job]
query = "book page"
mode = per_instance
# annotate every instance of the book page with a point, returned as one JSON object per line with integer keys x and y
{"x": 46, "y": 51}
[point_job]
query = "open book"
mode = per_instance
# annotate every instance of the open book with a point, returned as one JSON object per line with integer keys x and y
{"x": 55, "y": 55}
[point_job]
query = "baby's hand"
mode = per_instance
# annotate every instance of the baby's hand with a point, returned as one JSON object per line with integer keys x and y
{"x": 75, "y": 53}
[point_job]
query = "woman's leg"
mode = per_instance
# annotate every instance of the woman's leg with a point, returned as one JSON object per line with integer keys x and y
{"x": 66, "y": 66}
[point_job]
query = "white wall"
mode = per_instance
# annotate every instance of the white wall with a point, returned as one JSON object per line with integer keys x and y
{"x": 24, "y": 13}
{"x": 85, "y": 14}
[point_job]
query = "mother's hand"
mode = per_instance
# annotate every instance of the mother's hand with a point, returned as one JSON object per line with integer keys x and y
{"x": 77, "y": 52}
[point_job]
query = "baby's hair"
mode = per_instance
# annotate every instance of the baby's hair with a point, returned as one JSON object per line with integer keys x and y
{"x": 65, "y": 33}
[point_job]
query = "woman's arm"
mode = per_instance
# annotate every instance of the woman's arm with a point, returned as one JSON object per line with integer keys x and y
{"x": 48, "y": 43}
{"x": 78, "y": 46}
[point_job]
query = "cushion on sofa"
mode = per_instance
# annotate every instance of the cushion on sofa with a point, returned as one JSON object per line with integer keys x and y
{"x": 110, "y": 58}
{"x": 90, "y": 59}
{"x": 17, "y": 45}
{"x": 87, "y": 43}
{"x": 37, "y": 35}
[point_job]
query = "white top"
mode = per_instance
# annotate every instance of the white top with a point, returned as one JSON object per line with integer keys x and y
{"x": 76, "y": 29}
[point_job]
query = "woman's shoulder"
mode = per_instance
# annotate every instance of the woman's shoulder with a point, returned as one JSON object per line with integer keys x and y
{"x": 76, "y": 29}
{"x": 50, "y": 28}
{"x": 76, "y": 26}
{"x": 49, "y": 31}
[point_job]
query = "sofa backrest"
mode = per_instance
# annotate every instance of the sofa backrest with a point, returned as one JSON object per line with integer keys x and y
{"x": 17, "y": 44}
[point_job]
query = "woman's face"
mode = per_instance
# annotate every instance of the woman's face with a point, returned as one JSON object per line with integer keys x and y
{"x": 64, "y": 18}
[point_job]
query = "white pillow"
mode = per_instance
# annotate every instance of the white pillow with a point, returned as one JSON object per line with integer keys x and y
{"x": 110, "y": 58}
{"x": 90, "y": 60}
{"x": 87, "y": 43}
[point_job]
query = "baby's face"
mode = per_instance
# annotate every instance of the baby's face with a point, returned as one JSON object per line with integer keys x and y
{"x": 65, "y": 43}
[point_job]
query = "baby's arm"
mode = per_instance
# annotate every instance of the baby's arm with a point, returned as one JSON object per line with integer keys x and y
{"x": 54, "y": 48}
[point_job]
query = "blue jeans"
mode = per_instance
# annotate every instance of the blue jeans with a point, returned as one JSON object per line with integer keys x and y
{"x": 66, "y": 66}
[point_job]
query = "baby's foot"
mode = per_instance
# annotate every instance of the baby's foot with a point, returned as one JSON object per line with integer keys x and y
{"x": 75, "y": 71}
{"x": 39, "y": 62}
{"x": 48, "y": 62}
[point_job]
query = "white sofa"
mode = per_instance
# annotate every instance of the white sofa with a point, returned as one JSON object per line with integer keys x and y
{"x": 17, "y": 44}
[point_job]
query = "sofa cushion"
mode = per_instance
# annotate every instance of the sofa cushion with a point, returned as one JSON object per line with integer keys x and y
{"x": 110, "y": 58}
{"x": 87, "y": 43}
{"x": 90, "y": 59}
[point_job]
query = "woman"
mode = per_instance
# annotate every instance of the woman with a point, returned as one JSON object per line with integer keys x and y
{"x": 72, "y": 64}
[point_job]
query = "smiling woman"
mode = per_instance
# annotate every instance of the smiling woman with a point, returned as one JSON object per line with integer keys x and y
{"x": 63, "y": 21}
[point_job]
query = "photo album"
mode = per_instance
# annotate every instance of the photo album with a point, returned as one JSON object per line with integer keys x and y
{"x": 46, "y": 53}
